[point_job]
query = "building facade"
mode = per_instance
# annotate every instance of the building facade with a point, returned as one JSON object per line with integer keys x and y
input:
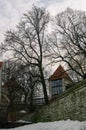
{"x": 58, "y": 81}
{"x": 56, "y": 85}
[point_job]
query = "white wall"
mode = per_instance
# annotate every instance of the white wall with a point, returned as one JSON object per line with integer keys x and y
{"x": 38, "y": 93}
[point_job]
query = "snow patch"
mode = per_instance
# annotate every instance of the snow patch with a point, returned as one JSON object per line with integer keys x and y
{"x": 57, "y": 125}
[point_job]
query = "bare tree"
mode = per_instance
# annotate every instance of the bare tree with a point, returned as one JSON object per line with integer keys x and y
{"x": 68, "y": 41}
{"x": 19, "y": 82}
{"x": 11, "y": 88}
{"x": 28, "y": 78}
{"x": 27, "y": 43}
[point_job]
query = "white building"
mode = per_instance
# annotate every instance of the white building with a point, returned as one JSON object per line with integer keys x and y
{"x": 56, "y": 85}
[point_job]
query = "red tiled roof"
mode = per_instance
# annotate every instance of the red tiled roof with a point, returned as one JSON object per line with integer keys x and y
{"x": 59, "y": 73}
{"x": 1, "y": 64}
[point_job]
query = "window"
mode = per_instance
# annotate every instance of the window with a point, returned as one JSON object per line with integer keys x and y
{"x": 38, "y": 101}
{"x": 56, "y": 86}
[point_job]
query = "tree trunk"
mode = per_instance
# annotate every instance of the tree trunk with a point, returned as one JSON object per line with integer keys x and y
{"x": 44, "y": 86}
{"x": 31, "y": 100}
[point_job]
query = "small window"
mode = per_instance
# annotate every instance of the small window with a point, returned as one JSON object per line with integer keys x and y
{"x": 56, "y": 87}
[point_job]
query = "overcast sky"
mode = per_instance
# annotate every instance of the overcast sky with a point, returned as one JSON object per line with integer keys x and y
{"x": 12, "y": 10}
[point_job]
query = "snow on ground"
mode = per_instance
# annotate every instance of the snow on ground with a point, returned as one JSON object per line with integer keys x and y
{"x": 57, "y": 125}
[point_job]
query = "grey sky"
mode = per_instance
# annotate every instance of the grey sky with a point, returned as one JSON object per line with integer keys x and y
{"x": 11, "y": 10}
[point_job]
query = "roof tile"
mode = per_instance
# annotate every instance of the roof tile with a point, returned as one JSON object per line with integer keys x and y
{"x": 59, "y": 74}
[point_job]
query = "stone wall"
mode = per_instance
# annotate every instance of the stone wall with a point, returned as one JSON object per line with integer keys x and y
{"x": 69, "y": 105}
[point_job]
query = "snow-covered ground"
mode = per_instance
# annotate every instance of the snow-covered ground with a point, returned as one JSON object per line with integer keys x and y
{"x": 57, "y": 125}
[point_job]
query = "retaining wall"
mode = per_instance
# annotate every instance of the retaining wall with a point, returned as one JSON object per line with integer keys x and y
{"x": 69, "y": 105}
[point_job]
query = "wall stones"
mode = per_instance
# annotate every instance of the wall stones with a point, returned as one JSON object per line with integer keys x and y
{"x": 69, "y": 105}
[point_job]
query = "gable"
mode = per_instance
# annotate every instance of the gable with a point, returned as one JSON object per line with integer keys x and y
{"x": 59, "y": 73}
